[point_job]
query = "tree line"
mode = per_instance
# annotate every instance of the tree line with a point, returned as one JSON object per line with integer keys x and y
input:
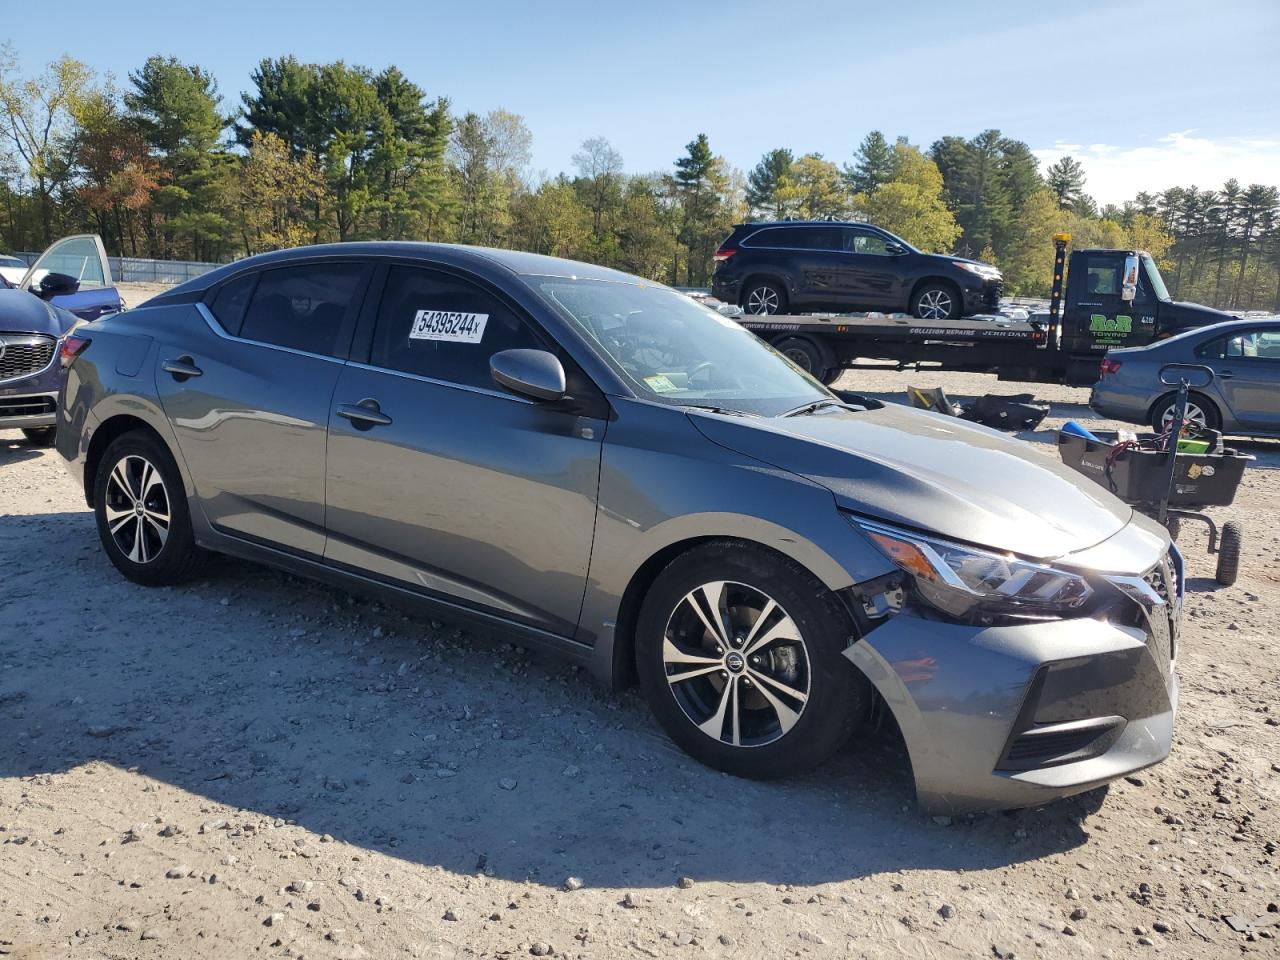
{"x": 162, "y": 167}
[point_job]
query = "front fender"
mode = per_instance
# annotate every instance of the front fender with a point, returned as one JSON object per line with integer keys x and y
{"x": 662, "y": 484}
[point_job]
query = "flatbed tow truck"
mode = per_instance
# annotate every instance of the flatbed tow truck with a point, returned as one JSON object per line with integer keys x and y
{"x": 1111, "y": 298}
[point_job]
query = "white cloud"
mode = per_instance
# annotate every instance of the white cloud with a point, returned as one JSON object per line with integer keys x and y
{"x": 1115, "y": 174}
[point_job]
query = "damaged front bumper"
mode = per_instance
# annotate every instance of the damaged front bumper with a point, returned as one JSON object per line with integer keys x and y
{"x": 1018, "y": 714}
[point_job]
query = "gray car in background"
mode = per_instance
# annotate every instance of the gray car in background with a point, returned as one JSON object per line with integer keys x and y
{"x": 1242, "y": 399}
{"x": 606, "y": 469}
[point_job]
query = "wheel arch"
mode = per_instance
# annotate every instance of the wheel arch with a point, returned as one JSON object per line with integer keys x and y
{"x": 821, "y": 346}
{"x": 107, "y": 432}
{"x": 614, "y": 659}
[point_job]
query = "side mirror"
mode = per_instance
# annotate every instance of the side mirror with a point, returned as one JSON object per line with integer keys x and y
{"x": 895, "y": 249}
{"x": 1195, "y": 374}
{"x": 1129, "y": 286}
{"x": 531, "y": 373}
{"x": 56, "y": 285}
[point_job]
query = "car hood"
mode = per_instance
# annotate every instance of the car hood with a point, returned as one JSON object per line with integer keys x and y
{"x": 932, "y": 472}
{"x": 22, "y": 312}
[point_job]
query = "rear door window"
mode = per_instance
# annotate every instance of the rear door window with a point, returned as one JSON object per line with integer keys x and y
{"x": 308, "y": 307}
{"x": 437, "y": 325}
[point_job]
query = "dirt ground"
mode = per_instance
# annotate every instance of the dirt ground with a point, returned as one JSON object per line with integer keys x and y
{"x": 254, "y": 765}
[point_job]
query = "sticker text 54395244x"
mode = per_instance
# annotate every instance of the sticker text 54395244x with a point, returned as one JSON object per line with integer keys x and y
{"x": 448, "y": 325}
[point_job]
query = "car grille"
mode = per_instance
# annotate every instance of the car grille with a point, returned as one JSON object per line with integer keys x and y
{"x": 23, "y": 355}
{"x": 26, "y": 406}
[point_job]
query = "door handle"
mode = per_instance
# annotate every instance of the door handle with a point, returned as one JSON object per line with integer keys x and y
{"x": 364, "y": 414}
{"x": 182, "y": 369}
{"x": 1225, "y": 375}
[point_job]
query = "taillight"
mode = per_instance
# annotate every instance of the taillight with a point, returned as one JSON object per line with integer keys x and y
{"x": 1108, "y": 366}
{"x": 72, "y": 347}
{"x": 723, "y": 254}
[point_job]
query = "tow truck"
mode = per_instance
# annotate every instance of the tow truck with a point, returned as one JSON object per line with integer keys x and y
{"x": 1099, "y": 299}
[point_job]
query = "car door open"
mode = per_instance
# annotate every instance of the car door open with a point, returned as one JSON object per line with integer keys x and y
{"x": 442, "y": 480}
{"x": 74, "y": 273}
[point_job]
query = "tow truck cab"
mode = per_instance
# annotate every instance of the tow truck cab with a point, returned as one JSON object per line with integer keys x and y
{"x": 1115, "y": 298}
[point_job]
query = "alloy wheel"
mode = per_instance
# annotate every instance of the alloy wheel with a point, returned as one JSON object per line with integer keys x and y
{"x": 1194, "y": 414}
{"x": 762, "y": 300}
{"x": 935, "y": 305}
{"x": 736, "y": 664}
{"x": 137, "y": 508}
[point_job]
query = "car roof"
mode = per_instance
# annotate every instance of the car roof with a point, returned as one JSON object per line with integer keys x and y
{"x": 1216, "y": 329}
{"x": 806, "y": 223}
{"x": 515, "y": 262}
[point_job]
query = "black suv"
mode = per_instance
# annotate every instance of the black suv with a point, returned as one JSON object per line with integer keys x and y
{"x": 821, "y": 265}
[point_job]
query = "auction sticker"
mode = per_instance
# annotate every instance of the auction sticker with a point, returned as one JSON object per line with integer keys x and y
{"x": 448, "y": 325}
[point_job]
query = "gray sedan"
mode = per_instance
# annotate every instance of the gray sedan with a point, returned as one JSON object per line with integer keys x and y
{"x": 604, "y": 468}
{"x": 1243, "y": 398}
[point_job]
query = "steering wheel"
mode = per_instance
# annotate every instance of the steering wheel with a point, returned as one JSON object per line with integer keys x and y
{"x": 702, "y": 367}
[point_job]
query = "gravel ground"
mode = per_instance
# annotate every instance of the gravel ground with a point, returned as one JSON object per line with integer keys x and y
{"x": 257, "y": 765}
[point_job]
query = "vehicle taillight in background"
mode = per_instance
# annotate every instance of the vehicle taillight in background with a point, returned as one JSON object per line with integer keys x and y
{"x": 1108, "y": 366}
{"x": 723, "y": 254}
{"x": 72, "y": 347}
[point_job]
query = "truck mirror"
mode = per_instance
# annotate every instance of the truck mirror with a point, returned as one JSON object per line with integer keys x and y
{"x": 1129, "y": 288}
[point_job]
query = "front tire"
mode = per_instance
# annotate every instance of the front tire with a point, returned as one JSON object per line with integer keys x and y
{"x": 141, "y": 509}
{"x": 739, "y": 654}
{"x": 39, "y": 436}
{"x": 936, "y": 301}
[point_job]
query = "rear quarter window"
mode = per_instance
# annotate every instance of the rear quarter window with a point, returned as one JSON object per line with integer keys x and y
{"x": 228, "y": 302}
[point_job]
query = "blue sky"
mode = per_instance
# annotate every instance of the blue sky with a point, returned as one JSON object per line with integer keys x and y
{"x": 1146, "y": 93}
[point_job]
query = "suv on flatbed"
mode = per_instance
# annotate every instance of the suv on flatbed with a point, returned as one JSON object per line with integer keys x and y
{"x": 797, "y": 266}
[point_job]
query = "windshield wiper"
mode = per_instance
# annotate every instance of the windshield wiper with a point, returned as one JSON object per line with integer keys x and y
{"x": 727, "y": 411}
{"x": 813, "y": 407}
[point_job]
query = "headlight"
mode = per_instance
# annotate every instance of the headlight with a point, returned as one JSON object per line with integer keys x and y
{"x": 961, "y": 580}
{"x": 981, "y": 269}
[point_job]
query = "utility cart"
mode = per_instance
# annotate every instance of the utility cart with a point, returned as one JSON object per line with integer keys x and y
{"x": 1171, "y": 476}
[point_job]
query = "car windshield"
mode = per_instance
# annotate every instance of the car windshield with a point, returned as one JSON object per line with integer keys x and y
{"x": 674, "y": 350}
{"x": 1153, "y": 277}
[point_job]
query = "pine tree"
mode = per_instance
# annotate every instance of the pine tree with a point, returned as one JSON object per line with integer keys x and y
{"x": 765, "y": 179}
{"x": 871, "y": 164}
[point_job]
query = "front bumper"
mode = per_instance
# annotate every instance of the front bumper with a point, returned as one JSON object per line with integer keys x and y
{"x": 30, "y": 401}
{"x": 1017, "y": 715}
{"x": 982, "y": 296}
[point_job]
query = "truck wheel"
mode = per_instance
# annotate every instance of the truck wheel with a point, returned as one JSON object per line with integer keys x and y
{"x": 937, "y": 301}
{"x": 1200, "y": 410}
{"x": 1229, "y": 553}
{"x": 808, "y": 356}
{"x": 39, "y": 436}
{"x": 764, "y": 297}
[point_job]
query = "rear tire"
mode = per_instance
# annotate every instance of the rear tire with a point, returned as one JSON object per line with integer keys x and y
{"x": 39, "y": 436}
{"x": 808, "y": 356}
{"x": 936, "y": 300}
{"x": 763, "y": 297}
{"x": 143, "y": 518}
{"x": 1229, "y": 548}
{"x": 758, "y": 703}
{"x": 1200, "y": 410}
